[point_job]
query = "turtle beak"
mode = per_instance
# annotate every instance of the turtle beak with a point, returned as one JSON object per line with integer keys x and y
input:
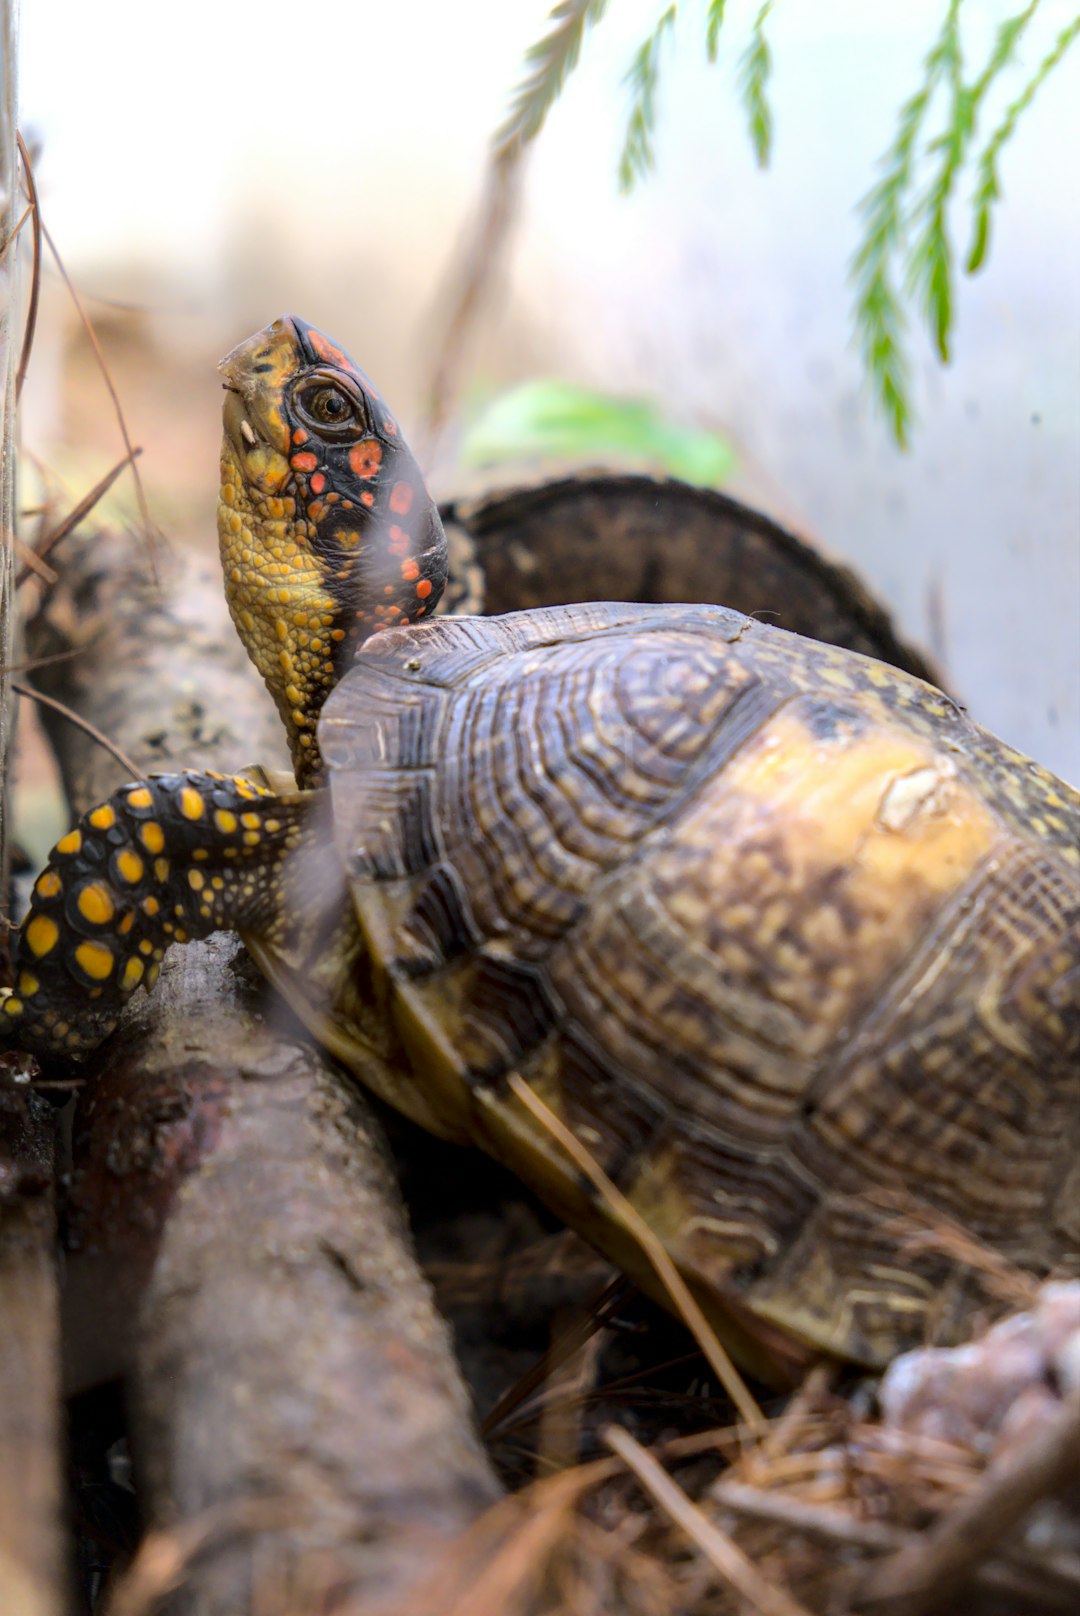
{"x": 256, "y": 374}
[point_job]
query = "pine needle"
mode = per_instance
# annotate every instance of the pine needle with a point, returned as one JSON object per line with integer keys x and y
{"x": 988, "y": 189}
{"x": 754, "y": 71}
{"x": 638, "y": 155}
{"x": 714, "y": 23}
{"x": 552, "y": 60}
{"x": 654, "y": 1250}
{"x": 879, "y": 318}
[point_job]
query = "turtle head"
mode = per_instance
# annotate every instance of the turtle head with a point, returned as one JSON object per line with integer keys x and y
{"x": 327, "y": 531}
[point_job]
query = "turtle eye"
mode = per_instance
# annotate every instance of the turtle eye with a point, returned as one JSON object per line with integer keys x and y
{"x": 329, "y": 409}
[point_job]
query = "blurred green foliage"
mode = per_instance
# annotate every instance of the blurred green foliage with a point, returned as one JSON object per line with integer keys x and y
{"x": 906, "y": 255}
{"x": 556, "y": 420}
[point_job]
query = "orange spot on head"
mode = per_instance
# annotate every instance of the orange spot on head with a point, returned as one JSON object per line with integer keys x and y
{"x": 303, "y": 462}
{"x": 401, "y": 498}
{"x": 423, "y": 588}
{"x": 409, "y": 571}
{"x": 393, "y": 611}
{"x": 299, "y": 435}
{"x": 388, "y": 589}
{"x": 318, "y": 483}
{"x": 366, "y": 498}
{"x": 329, "y": 351}
{"x": 365, "y": 457}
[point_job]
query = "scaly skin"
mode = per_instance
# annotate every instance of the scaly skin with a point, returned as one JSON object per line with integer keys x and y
{"x": 327, "y": 536}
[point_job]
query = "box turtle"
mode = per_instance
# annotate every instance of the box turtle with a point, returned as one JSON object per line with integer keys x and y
{"x": 789, "y": 943}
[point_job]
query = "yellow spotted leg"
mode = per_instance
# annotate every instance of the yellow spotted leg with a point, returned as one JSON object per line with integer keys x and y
{"x": 167, "y": 859}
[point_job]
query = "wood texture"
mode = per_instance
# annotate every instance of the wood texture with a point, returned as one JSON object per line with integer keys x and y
{"x": 237, "y": 1244}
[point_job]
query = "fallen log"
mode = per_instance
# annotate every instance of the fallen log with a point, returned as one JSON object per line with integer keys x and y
{"x": 32, "y": 1565}
{"x": 237, "y": 1247}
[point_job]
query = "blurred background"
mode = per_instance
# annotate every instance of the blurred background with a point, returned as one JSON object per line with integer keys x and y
{"x": 206, "y": 167}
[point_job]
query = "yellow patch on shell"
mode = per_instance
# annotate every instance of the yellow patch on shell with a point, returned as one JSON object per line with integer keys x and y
{"x": 96, "y": 904}
{"x": 96, "y": 959}
{"x": 103, "y": 818}
{"x": 48, "y": 884}
{"x": 225, "y": 821}
{"x": 141, "y": 797}
{"x": 71, "y": 843}
{"x": 161, "y": 869}
{"x": 42, "y": 935}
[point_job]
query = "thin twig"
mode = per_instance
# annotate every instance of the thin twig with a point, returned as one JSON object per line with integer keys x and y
{"x": 81, "y": 511}
{"x": 32, "y": 664}
{"x": 481, "y": 258}
{"x": 35, "y": 279}
{"x": 577, "y": 1333}
{"x": 32, "y": 563}
{"x": 144, "y": 507}
{"x": 666, "y": 1271}
{"x": 80, "y": 723}
{"x": 725, "y": 1556}
{"x": 16, "y": 233}
{"x": 924, "y": 1573}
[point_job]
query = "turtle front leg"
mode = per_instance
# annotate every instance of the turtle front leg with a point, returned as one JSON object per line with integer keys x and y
{"x": 165, "y": 860}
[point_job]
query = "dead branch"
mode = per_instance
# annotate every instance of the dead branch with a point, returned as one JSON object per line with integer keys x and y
{"x": 31, "y": 1556}
{"x": 237, "y": 1242}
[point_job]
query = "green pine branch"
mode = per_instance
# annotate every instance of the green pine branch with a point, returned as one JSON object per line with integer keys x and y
{"x": 754, "y": 71}
{"x": 638, "y": 154}
{"x": 551, "y": 60}
{"x": 905, "y": 251}
{"x": 988, "y": 185}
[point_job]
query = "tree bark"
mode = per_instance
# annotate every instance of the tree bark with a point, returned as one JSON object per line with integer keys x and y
{"x": 237, "y": 1245}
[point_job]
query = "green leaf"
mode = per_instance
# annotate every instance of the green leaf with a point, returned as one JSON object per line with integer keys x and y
{"x": 638, "y": 156}
{"x": 557, "y": 420}
{"x": 552, "y": 60}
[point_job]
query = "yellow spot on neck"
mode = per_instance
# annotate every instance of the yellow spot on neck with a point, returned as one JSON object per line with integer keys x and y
{"x": 225, "y": 821}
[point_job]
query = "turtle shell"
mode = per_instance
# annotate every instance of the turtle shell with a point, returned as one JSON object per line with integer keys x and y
{"x": 790, "y": 943}
{"x": 617, "y": 536}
